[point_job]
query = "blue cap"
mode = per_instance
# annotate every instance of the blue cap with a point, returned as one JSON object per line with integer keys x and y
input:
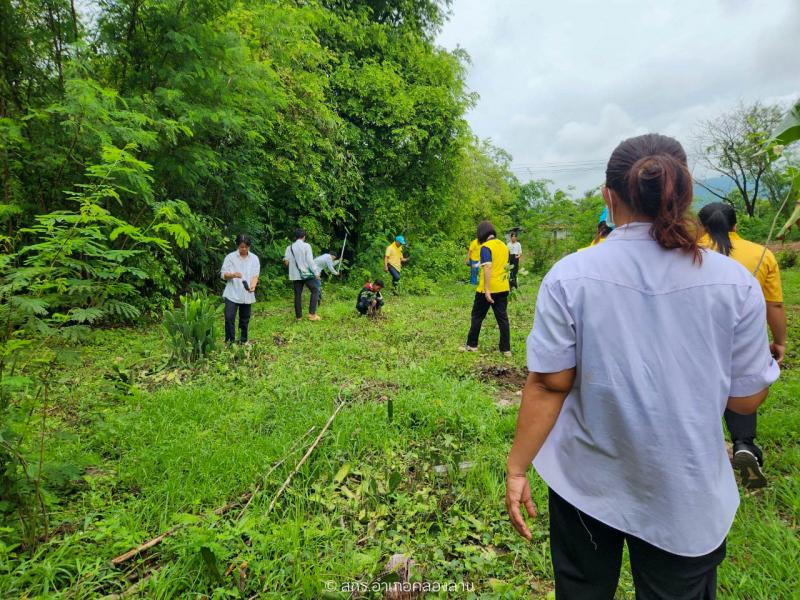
{"x": 603, "y": 215}
{"x": 400, "y": 239}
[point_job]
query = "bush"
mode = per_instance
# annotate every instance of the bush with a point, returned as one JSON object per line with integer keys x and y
{"x": 415, "y": 285}
{"x": 192, "y": 328}
{"x": 787, "y": 259}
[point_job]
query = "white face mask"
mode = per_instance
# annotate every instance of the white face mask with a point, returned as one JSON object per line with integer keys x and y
{"x": 610, "y": 219}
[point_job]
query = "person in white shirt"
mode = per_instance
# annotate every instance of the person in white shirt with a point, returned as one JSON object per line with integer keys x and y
{"x": 303, "y": 272}
{"x": 325, "y": 262}
{"x": 240, "y": 270}
{"x": 638, "y": 346}
{"x": 514, "y": 256}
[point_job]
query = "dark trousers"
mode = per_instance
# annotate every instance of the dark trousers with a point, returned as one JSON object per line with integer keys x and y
{"x": 298, "y": 297}
{"x": 514, "y": 263}
{"x": 395, "y": 275}
{"x": 741, "y": 427}
{"x": 500, "y": 308}
{"x": 245, "y": 310}
{"x": 587, "y": 556}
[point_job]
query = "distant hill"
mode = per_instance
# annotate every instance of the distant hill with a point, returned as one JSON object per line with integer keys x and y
{"x": 720, "y": 184}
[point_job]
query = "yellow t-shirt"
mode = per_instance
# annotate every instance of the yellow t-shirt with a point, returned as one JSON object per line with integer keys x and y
{"x": 394, "y": 255}
{"x": 474, "y": 250}
{"x": 499, "y": 280}
{"x": 749, "y": 254}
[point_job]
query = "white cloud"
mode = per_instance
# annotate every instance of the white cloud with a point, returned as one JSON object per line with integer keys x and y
{"x": 565, "y": 82}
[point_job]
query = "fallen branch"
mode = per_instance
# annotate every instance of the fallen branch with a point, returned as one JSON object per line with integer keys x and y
{"x": 304, "y": 459}
{"x": 275, "y": 466}
{"x": 245, "y": 498}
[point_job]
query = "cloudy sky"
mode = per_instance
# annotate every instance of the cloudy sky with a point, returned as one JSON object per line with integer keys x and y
{"x": 561, "y": 82}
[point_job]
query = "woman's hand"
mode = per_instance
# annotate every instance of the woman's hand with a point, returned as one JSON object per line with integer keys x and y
{"x": 489, "y": 298}
{"x": 518, "y": 493}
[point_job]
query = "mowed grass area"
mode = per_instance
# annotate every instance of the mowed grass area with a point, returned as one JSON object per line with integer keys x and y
{"x": 161, "y": 448}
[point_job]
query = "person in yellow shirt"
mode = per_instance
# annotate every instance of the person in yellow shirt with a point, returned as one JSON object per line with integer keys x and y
{"x": 719, "y": 221}
{"x": 393, "y": 260}
{"x": 493, "y": 289}
{"x": 473, "y": 258}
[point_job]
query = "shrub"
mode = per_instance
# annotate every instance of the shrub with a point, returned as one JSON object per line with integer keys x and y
{"x": 787, "y": 259}
{"x": 192, "y": 327}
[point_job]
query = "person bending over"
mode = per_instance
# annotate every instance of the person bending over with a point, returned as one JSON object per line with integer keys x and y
{"x": 370, "y": 299}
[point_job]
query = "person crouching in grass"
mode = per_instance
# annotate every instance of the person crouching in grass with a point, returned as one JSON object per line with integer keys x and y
{"x": 370, "y": 299}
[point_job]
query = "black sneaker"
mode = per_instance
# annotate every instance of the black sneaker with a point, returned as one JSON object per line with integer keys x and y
{"x": 747, "y": 459}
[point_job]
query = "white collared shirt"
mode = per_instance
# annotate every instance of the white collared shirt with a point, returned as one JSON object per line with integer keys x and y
{"x": 249, "y": 266}
{"x": 659, "y": 344}
{"x": 300, "y": 259}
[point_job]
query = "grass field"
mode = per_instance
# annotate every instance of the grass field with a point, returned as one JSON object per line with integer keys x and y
{"x": 163, "y": 448}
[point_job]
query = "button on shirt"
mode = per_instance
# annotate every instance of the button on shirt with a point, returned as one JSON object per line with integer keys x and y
{"x": 659, "y": 343}
{"x": 249, "y": 267}
{"x": 300, "y": 259}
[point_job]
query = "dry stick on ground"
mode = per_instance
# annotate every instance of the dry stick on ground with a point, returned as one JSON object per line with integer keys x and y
{"x": 305, "y": 458}
{"x": 247, "y": 497}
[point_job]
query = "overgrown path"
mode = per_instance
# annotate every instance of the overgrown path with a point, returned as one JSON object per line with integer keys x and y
{"x": 156, "y": 451}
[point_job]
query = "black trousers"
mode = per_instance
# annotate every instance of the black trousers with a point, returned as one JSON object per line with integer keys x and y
{"x": 245, "y": 310}
{"x": 298, "y": 297}
{"x": 587, "y": 556}
{"x": 514, "y": 263}
{"x": 500, "y": 308}
{"x": 741, "y": 427}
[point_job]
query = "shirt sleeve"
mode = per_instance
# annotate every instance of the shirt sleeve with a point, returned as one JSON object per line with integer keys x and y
{"x": 752, "y": 366}
{"x": 551, "y": 343}
{"x": 257, "y": 270}
{"x": 310, "y": 260}
{"x": 226, "y": 268}
{"x": 332, "y": 266}
{"x": 771, "y": 287}
{"x": 486, "y": 255}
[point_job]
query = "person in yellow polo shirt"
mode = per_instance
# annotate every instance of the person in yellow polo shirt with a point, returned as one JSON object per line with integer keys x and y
{"x": 493, "y": 289}
{"x": 473, "y": 258}
{"x": 393, "y": 260}
{"x": 719, "y": 221}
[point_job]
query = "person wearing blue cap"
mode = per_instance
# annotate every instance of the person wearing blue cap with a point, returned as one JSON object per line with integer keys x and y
{"x": 393, "y": 260}
{"x": 604, "y": 227}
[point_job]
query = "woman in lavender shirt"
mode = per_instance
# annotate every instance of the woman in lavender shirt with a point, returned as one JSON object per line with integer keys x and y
{"x": 638, "y": 346}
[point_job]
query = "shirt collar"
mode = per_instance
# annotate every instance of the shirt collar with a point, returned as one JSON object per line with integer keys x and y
{"x": 632, "y": 231}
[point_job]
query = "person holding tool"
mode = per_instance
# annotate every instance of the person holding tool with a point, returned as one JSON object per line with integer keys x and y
{"x": 719, "y": 221}
{"x": 240, "y": 270}
{"x": 325, "y": 262}
{"x": 393, "y": 260}
{"x": 637, "y": 348}
{"x": 302, "y": 273}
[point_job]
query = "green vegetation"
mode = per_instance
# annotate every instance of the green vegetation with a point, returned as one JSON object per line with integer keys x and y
{"x": 151, "y": 449}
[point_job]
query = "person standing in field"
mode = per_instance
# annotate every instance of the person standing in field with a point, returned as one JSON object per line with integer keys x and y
{"x": 637, "y": 349}
{"x": 493, "y": 289}
{"x": 393, "y": 260}
{"x": 302, "y": 273}
{"x": 473, "y": 258}
{"x": 719, "y": 222}
{"x": 515, "y": 256}
{"x": 240, "y": 270}
{"x": 325, "y": 262}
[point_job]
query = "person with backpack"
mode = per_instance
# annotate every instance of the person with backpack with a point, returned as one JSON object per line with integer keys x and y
{"x": 719, "y": 221}
{"x": 303, "y": 273}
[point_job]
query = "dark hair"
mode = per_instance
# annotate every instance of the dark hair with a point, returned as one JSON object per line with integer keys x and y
{"x": 603, "y": 230}
{"x": 718, "y": 219}
{"x": 649, "y": 174}
{"x": 243, "y": 238}
{"x": 299, "y": 233}
{"x": 378, "y": 282}
{"x": 514, "y": 234}
{"x": 485, "y": 230}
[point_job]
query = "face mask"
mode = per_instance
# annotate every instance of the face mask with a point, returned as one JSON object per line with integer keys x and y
{"x": 610, "y": 219}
